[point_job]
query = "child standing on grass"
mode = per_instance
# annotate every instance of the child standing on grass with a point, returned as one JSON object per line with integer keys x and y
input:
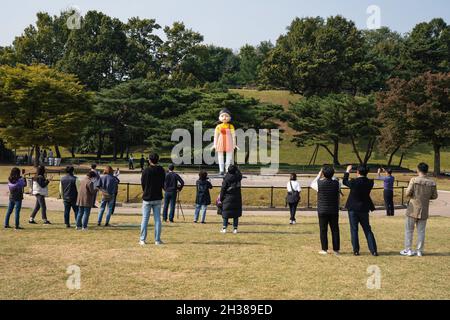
{"x": 203, "y": 197}
{"x": 15, "y": 184}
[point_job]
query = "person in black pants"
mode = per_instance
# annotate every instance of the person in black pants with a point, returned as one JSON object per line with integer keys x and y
{"x": 68, "y": 190}
{"x": 172, "y": 185}
{"x": 359, "y": 204}
{"x": 328, "y": 190}
{"x": 388, "y": 193}
{"x": 293, "y": 196}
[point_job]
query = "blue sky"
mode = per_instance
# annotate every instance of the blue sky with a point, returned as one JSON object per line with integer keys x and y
{"x": 229, "y": 23}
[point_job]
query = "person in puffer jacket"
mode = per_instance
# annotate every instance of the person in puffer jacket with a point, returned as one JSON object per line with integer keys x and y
{"x": 231, "y": 198}
{"x": 40, "y": 191}
{"x": 15, "y": 184}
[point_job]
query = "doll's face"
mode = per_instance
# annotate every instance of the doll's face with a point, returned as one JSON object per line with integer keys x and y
{"x": 224, "y": 118}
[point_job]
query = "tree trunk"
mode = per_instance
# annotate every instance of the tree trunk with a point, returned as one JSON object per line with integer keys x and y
{"x": 355, "y": 150}
{"x": 336, "y": 153}
{"x": 391, "y": 157}
{"x": 30, "y": 155}
{"x": 58, "y": 153}
{"x": 115, "y": 148}
{"x": 72, "y": 151}
{"x": 100, "y": 145}
{"x": 37, "y": 154}
{"x": 437, "y": 159}
{"x": 401, "y": 159}
{"x": 370, "y": 146}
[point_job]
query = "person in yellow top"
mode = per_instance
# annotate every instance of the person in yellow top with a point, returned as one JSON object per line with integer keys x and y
{"x": 225, "y": 141}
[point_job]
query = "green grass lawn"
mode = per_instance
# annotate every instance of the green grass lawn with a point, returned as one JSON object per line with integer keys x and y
{"x": 268, "y": 259}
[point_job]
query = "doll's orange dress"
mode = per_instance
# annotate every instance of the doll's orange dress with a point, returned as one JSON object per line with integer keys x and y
{"x": 225, "y": 140}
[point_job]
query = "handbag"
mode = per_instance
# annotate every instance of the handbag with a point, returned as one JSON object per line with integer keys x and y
{"x": 219, "y": 205}
{"x": 293, "y": 196}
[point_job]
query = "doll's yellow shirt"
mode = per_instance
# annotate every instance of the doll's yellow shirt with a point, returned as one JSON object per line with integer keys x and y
{"x": 225, "y": 126}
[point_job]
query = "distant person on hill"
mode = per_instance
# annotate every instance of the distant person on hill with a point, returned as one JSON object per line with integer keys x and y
{"x": 16, "y": 184}
{"x": 85, "y": 200}
{"x": 152, "y": 182}
{"x": 68, "y": 189}
{"x": 328, "y": 191}
{"x": 131, "y": 162}
{"x": 203, "y": 196}
{"x": 359, "y": 204}
{"x": 40, "y": 191}
{"x": 142, "y": 163}
{"x": 108, "y": 186}
{"x": 231, "y": 198}
{"x": 172, "y": 185}
{"x": 388, "y": 193}
{"x": 421, "y": 190}
{"x": 293, "y": 196}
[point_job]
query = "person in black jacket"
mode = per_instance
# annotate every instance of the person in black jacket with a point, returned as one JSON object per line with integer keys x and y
{"x": 152, "y": 182}
{"x": 359, "y": 204}
{"x": 68, "y": 189}
{"x": 231, "y": 198}
{"x": 203, "y": 197}
{"x": 172, "y": 185}
{"x": 328, "y": 191}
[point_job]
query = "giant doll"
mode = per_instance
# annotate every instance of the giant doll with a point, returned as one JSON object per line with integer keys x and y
{"x": 224, "y": 141}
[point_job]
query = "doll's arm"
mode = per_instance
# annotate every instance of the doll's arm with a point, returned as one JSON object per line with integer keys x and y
{"x": 216, "y": 137}
{"x": 233, "y": 138}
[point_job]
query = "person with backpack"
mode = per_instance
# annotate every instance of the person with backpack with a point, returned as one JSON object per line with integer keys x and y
{"x": 16, "y": 184}
{"x": 231, "y": 198}
{"x": 40, "y": 191}
{"x": 68, "y": 189}
{"x": 293, "y": 196}
{"x": 203, "y": 197}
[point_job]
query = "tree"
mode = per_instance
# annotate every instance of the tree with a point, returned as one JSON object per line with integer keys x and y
{"x": 318, "y": 56}
{"x": 250, "y": 60}
{"x": 424, "y": 102}
{"x": 40, "y": 106}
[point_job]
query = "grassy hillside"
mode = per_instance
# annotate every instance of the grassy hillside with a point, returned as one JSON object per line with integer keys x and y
{"x": 291, "y": 154}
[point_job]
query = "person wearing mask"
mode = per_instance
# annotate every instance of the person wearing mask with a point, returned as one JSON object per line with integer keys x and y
{"x": 231, "y": 198}
{"x": 328, "y": 191}
{"x": 68, "y": 189}
{"x": 388, "y": 192}
{"x": 293, "y": 196}
{"x": 203, "y": 196}
{"x": 85, "y": 200}
{"x": 359, "y": 204}
{"x": 172, "y": 185}
{"x": 421, "y": 190}
{"x": 108, "y": 186}
{"x": 16, "y": 184}
{"x": 40, "y": 191}
{"x": 152, "y": 182}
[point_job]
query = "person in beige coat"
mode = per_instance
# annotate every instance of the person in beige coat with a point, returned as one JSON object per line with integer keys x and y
{"x": 85, "y": 200}
{"x": 421, "y": 190}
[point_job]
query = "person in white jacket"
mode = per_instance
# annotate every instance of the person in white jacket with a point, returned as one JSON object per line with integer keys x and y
{"x": 293, "y": 196}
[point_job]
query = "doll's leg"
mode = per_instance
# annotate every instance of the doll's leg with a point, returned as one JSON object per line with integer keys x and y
{"x": 220, "y": 155}
{"x": 229, "y": 160}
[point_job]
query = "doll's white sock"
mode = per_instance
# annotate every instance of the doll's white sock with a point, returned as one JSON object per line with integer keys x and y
{"x": 221, "y": 162}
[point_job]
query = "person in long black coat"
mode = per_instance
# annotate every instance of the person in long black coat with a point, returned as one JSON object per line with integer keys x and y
{"x": 231, "y": 198}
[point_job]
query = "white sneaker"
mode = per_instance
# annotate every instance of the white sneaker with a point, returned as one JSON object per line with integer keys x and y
{"x": 323, "y": 252}
{"x": 223, "y": 231}
{"x": 84, "y": 229}
{"x": 419, "y": 253}
{"x": 159, "y": 243}
{"x": 294, "y": 222}
{"x": 407, "y": 253}
{"x": 142, "y": 243}
{"x": 336, "y": 253}
{"x": 235, "y": 231}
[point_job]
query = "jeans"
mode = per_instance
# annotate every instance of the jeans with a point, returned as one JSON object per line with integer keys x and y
{"x": 111, "y": 205}
{"x": 235, "y": 223}
{"x": 147, "y": 206}
{"x": 410, "y": 223}
{"x": 67, "y": 206}
{"x": 169, "y": 198}
{"x": 333, "y": 221}
{"x": 18, "y": 206}
{"x": 389, "y": 202}
{"x": 40, "y": 204}
{"x": 362, "y": 218}
{"x": 83, "y": 217}
{"x": 202, "y": 208}
{"x": 293, "y": 210}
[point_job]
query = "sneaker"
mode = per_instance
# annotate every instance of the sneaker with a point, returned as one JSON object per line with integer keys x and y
{"x": 375, "y": 254}
{"x": 291, "y": 222}
{"x": 336, "y": 253}
{"x": 356, "y": 253}
{"x": 107, "y": 225}
{"x": 77, "y": 228}
{"x": 235, "y": 231}
{"x": 419, "y": 253}
{"x": 67, "y": 225}
{"x": 99, "y": 224}
{"x": 407, "y": 253}
{"x": 171, "y": 221}
{"x": 159, "y": 243}
{"x": 142, "y": 243}
{"x": 84, "y": 229}
{"x": 32, "y": 222}
{"x": 47, "y": 222}
{"x": 294, "y": 222}
{"x": 203, "y": 222}
{"x": 323, "y": 252}
{"x": 18, "y": 228}
{"x": 195, "y": 221}
{"x": 223, "y": 231}
{"x": 7, "y": 227}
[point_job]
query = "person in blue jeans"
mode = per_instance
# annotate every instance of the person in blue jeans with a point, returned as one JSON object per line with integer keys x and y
{"x": 172, "y": 185}
{"x": 15, "y": 184}
{"x": 85, "y": 200}
{"x": 203, "y": 197}
{"x": 152, "y": 182}
{"x": 108, "y": 185}
{"x": 359, "y": 204}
